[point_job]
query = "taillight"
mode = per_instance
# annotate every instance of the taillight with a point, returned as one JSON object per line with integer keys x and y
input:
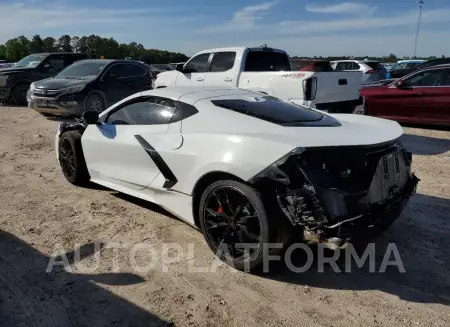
{"x": 371, "y": 71}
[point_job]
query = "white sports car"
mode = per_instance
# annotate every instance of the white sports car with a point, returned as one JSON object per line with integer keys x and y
{"x": 246, "y": 168}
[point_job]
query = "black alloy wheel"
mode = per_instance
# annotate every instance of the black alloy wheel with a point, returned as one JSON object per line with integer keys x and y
{"x": 233, "y": 214}
{"x": 71, "y": 158}
{"x": 67, "y": 158}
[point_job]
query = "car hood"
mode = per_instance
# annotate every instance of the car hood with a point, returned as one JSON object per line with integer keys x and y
{"x": 57, "y": 83}
{"x": 10, "y": 70}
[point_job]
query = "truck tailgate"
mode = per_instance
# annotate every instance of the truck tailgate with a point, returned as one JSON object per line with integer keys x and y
{"x": 337, "y": 86}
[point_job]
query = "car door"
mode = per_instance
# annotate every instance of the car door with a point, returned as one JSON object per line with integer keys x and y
{"x": 410, "y": 101}
{"x": 221, "y": 70}
{"x": 114, "y": 83}
{"x": 194, "y": 71}
{"x": 120, "y": 150}
{"x": 439, "y": 112}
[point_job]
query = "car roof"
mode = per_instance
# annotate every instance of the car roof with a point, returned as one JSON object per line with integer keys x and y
{"x": 108, "y": 61}
{"x": 191, "y": 95}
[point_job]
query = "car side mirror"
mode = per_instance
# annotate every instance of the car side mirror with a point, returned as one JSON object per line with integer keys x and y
{"x": 401, "y": 84}
{"x": 90, "y": 117}
{"x": 179, "y": 67}
{"x": 48, "y": 68}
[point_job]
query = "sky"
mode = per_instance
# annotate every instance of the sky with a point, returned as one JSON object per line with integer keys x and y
{"x": 301, "y": 27}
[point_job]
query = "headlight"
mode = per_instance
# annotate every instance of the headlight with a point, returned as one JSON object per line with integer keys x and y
{"x": 73, "y": 89}
{"x": 3, "y": 80}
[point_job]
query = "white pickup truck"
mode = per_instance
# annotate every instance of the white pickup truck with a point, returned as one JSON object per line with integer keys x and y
{"x": 267, "y": 70}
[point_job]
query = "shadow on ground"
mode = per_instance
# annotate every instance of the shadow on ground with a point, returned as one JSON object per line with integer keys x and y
{"x": 31, "y": 297}
{"x": 421, "y": 237}
{"x": 425, "y": 145}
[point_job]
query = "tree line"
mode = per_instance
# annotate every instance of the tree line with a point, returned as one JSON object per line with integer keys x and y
{"x": 93, "y": 45}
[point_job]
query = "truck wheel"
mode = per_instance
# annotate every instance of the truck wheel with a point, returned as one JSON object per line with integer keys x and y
{"x": 19, "y": 94}
{"x": 71, "y": 158}
{"x": 232, "y": 213}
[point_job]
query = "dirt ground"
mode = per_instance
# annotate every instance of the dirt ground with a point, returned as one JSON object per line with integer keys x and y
{"x": 40, "y": 213}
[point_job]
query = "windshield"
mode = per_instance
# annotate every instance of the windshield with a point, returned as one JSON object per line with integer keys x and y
{"x": 31, "y": 61}
{"x": 83, "y": 70}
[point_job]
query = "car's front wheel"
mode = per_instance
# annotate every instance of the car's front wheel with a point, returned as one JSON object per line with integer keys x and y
{"x": 94, "y": 102}
{"x": 234, "y": 222}
{"x": 71, "y": 158}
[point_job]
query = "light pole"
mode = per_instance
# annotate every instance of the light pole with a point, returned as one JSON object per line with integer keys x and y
{"x": 418, "y": 26}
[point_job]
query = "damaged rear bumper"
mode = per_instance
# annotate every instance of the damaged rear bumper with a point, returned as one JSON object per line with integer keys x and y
{"x": 342, "y": 193}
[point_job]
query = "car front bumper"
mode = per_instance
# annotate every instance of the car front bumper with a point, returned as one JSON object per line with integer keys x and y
{"x": 71, "y": 104}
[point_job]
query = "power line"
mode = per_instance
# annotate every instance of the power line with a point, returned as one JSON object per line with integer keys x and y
{"x": 420, "y": 2}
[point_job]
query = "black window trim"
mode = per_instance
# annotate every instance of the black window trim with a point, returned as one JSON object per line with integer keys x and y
{"x": 124, "y": 63}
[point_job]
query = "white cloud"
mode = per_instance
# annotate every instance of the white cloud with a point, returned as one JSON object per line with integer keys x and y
{"x": 341, "y": 8}
{"x": 243, "y": 20}
{"x": 367, "y": 23}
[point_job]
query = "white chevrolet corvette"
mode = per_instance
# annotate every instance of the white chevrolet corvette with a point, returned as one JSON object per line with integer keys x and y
{"x": 246, "y": 168}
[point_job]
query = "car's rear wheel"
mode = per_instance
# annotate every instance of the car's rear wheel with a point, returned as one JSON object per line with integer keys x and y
{"x": 71, "y": 158}
{"x": 19, "y": 94}
{"x": 234, "y": 223}
{"x": 94, "y": 102}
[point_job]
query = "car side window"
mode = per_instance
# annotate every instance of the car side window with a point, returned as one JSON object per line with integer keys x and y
{"x": 143, "y": 111}
{"x": 444, "y": 80}
{"x": 424, "y": 78}
{"x": 132, "y": 70}
{"x": 341, "y": 66}
{"x": 223, "y": 61}
{"x": 116, "y": 70}
{"x": 353, "y": 66}
{"x": 55, "y": 63}
{"x": 198, "y": 64}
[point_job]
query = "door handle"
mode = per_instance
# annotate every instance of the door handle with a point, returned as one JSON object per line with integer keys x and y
{"x": 200, "y": 79}
{"x": 227, "y": 79}
{"x": 422, "y": 93}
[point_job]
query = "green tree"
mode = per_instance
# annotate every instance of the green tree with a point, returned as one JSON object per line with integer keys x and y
{"x": 75, "y": 44}
{"x": 63, "y": 43}
{"x": 49, "y": 44}
{"x": 2, "y": 51}
{"x": 36, "y": 45}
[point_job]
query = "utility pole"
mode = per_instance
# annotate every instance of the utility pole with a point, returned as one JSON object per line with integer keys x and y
{"x": 420, "y": 2}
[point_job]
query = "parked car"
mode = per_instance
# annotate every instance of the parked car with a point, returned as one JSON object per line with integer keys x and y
{"x": 267, "y": 70}
{"x": 403, "y": 68}
{"x": 5, "y": 64}
{"x": 421, "y": 97}
{"x": 372, "y": 70}
{"x": 311, "y": 65}
{"x": 245, "y": 168}
{"x": 93, "y": 84}
{"x": 15, "y": 81}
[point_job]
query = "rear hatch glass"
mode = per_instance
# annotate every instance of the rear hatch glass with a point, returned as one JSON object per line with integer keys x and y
{"x": 375, "y": 65}
{"x": 271, "y": 109}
